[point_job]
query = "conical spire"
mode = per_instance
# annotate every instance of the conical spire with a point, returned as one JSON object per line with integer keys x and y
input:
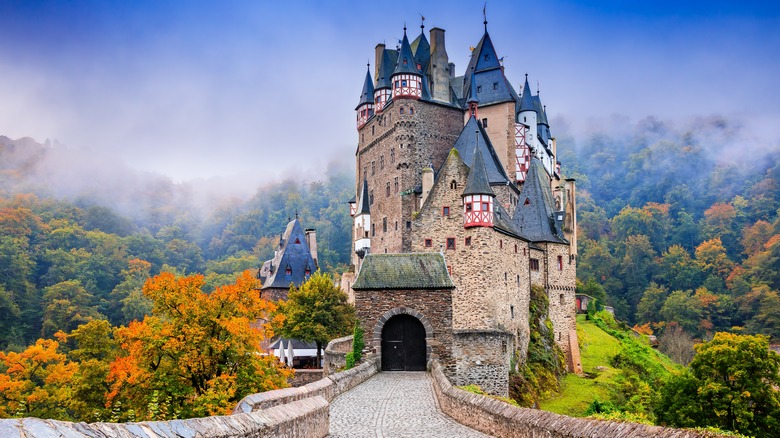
{"x": 534, "y": 213}
{"x": 477, "y": 182}
{"x": 422, "y": 51}
{"x": 406, "y": 61}
{"x": 527, "y": 100}
{"x": 386, "y": 66}
{"x": 367, "y": 96}
{"x": 363, "y": 201}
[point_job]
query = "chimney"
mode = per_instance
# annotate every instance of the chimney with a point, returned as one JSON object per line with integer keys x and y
{"x": 427, "y": 184}
{"x": 311, "y": 241}
{"x": 379, "y": 50}
{"x": 440, "y": 66}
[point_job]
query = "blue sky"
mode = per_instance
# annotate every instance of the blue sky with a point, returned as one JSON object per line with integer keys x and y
{"x": 197, "y": 89}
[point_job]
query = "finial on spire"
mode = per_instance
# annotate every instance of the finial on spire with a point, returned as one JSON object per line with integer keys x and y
{"x": 537, "y": 88}
{"x": 404, "y": 27}
{"x": 484, "y": 15}
{"x": 422, "y": 23}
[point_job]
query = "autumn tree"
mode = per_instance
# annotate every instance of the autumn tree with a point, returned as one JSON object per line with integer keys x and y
{"x": 198, "y": 353}
{"x": 317, "y": 311}
{"x": 732, "y": 384}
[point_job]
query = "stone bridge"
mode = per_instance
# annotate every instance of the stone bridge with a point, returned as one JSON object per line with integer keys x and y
{"x": 359, "y": 402}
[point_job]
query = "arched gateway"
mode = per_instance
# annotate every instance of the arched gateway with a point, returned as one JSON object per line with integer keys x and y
{"x": 403, "y": 344}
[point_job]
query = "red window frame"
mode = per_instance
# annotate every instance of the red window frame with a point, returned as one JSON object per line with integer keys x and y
{"x": 450, "y": 243}
{"x": 445, "y": 210}
{"x": 428, "y": 243}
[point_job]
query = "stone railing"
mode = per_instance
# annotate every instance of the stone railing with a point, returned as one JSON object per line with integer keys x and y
{"x": 335, "y": 356}
{"x": 287, "y": 413}
{"x": 496, "y": 418}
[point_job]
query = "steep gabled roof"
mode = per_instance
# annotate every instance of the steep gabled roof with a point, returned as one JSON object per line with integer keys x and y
{"x": 406, "y": 62}
{"x": 534, "y": 213}
{"x": 367, "y": 95}
{"x": 542, "y": 119}
{"x": 362, "y": 207}
{"x": 467, "y": 143}
{"x": 477, "y": 182}
{"x": 403, "y": 271}
{"x": 293, "y": 253}
{"x": 483, "y": 57}
{"x": 386, "y": 67}
{"x": 473, "y": 98}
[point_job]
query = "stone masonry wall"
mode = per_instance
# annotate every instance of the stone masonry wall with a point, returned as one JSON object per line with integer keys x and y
{"x": 501, "y": 131}
{"x": 500, "y": 419}
{"x": 490, "y": 274}
{"x": 561, "y": 277}
{"x": 432, "y": 307}
{"x": 393, "y": 149}
{"x": 483, "y": 359}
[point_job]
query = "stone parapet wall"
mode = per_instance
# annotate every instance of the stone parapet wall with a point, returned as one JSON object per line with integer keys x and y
{"x": 282, "y": 413}
{"x": 304, "y": 377}
{"x": 309, "y": 417}
{"x": 335, "y": 355}
{"x": 500, "y": 419}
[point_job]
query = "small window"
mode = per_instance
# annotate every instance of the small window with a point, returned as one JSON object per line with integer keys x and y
{"x": 467, "y": 242}
{"x": 373, "y": 168}
{"x": 479, "y": 88}
{"x": 468, "y": 207}
{"x": 515, "y": 248}
{"x": 372, "y": 130}
{"x": 403, "y": 83}
{"x": 501, "y": 243}
{"x": 371, "y": 197}
{"x": 562, "y": 300}
{"x": 288, "y": 270}
{"x": 487, "y": 56}
{"x": 373, "y": 230}
{"x": 307, "y": 272}
{"x": 381, "y": 162}
{"x": 560, "y": 264}
{"x": 484, "y": 123}
{"x": 396, "y": 225}
{"x": 401, "y": 110}
{"x": 384, "y": 224}
{"x": 387, "y": 189}
{"x": 408, "y": 225}
{"x": 506, "y": 278}
{"x": 445, "y": 211}
{"x": 428, "y": 243}
{"x": 411, "y": 110}
{"x": 534, "y": 264}
{"x": 392, "y": 156}
{"x": 450, "y": 243}
{"x": 527, "y": 201}
{"x": 495, "y": 85}
{"x": 485, "y": 206}
{"x": 449, "y": 269}
{"x": 512, "y": 311}
{"x": 397, "y": 84}
{"x": 395, "y": 184}
{"x": 297, "y": 241}
{"x": 453, "y": 184}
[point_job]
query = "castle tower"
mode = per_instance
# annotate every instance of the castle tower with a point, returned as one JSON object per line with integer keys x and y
{"x": 365, "y": 108}
{"x": 473, "y": 101}
{"x": 477, "y": 196}
{"x": 407, "y": 77}
{"x": 385, "y": 63}
{"x": 362, "y": 228}
{"x": 527, "y": 116}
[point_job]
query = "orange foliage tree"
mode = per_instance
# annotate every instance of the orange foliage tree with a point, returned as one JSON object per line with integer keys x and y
{"x": 198, "y": 353}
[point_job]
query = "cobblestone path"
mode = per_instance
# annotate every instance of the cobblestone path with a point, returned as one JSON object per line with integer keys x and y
{"x": 393, "y": 404}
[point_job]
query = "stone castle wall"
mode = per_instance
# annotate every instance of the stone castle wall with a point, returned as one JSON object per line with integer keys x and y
{"x": 483, "y": 358}
{"x": 432, "y": 307}
{"x": 393, "y": 149}
{"x": 561, "y": 278}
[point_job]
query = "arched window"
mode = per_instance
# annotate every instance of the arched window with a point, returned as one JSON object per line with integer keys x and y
{"x": 453, "y": 184}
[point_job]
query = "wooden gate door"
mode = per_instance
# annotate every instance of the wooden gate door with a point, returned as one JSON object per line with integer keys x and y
{"x": 403, "y": 344}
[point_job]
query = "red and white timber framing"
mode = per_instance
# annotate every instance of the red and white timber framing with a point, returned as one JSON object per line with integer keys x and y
{"x": 477, "y": 211}
{"x": 407, "y": 85}
{"x": 522, "y": 153}
{"x": 364, "y": 113}
{"x": 381, "y": 97}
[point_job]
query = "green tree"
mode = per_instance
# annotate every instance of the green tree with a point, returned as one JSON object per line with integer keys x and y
{"x": 66, "y": 306}
{"x": 317, "y": 311}
{"x": 683, "y": 308}
{"x": 732, "y": 384}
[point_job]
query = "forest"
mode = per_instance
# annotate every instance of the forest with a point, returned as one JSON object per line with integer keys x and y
{"x": 678, "y": 232}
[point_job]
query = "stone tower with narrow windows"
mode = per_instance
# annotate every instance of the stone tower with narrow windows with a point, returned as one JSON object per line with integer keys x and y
{"x": 460, "y": 206}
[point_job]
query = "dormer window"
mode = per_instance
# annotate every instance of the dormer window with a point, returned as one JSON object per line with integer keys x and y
{"x": 297, "y": 241}
{"x": 288, "y": 271}
{"x": 487, "y": 56}
{"x": 307, "y": 272}
{"x": 405, "y": 61}
{"x": 479, "y": 88}
{"x": 527, "y": 201}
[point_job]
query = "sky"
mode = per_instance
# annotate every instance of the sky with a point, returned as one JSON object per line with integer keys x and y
{"x": 194, "y": 90}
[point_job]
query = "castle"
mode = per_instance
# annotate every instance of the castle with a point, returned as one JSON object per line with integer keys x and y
{"x": 460, "y": 206}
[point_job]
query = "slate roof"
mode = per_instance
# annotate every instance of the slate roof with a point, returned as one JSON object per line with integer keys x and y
{"x": 362, "y": 207}
{"x": 542, "y": 119}
{"x": 527, "y": 100}
{"x": 406, "y": 62}
{"x": 473, "y": 94}
{"x": 422, "y": 51}
{"x": 297, "y": 344}
{"x": 294, "y": 253}
{"x": 403, "y": 271}
{"x": 484, "y": 48}
{"x": 367, "y": 95}
{"x": 386, "y": 67}
{"x": 477, "y": 181}
{"x": 534, "y": 219}
{"x": 467, "y": 143}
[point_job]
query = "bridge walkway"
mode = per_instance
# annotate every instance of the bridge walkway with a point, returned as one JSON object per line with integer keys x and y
{"x": 393, "y": 404}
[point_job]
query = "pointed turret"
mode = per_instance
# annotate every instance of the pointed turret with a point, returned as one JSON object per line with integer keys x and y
{"x": 477, "y": 195}
{"x": 527, "y": 115}
{"x": 365, "y": 108}
{"x": 527, "y": 99}
{"x": 422, "y": 51}
{"x": 384, "y": 86}
{"x": 362, "y": 220}
{"x": 406, "y": 78}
